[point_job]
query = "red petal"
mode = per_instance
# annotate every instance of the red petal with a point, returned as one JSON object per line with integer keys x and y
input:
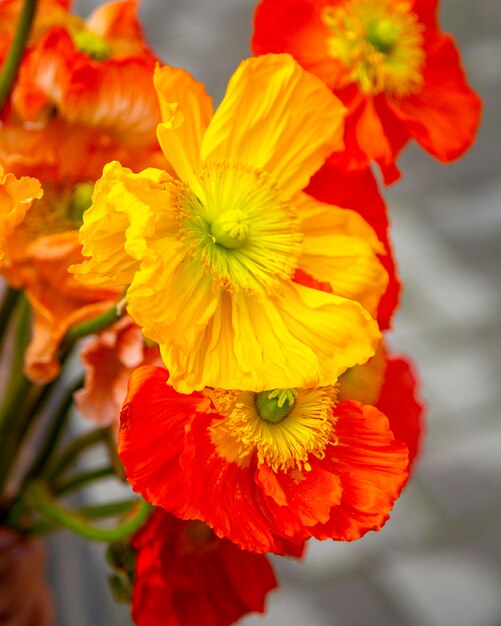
{"x": 295, "y": 26}
{"x": 444, "y": 116}
{"x": 398, "y": 401}
{"x": 232, "y": 502}
{"x": 372, "y": 467}
{"x": 152, "y": 436}
{"x": 185, "y": 576}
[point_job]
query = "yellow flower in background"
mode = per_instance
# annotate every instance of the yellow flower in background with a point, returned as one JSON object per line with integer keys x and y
{"x": 223, "y": 261}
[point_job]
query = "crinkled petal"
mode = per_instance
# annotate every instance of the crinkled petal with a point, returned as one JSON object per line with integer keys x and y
{"x": 151, "y": 438}
{"x": 340, "y": 248}
{"x": 372, "y": 466}
{"x": 298, "y": 337}
{"x": 444, "y": 116}
{"x": 16, "y": 196}
{"x": 277, "y": 117}
{"x": 186, "y": 112}
{"x": 400, "y": 402}
{"x": 359, "y": 192}
{"x": 118, "y": 225}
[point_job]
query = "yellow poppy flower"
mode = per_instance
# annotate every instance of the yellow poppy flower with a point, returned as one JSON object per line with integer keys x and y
{"x": 222, "y": 260}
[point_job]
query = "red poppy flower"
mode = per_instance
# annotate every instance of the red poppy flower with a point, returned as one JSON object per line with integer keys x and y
{"x": 262, "y": 470}
{"x": 358, "y": 191}
{"x": 186, "y": 576}
{"x": 399, "y": 75}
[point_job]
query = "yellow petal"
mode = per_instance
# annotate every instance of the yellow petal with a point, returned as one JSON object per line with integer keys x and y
{"x": 117, "y": 227}
{"x": 299, "y": 338}
{"x": 339, "y": 248}
{"x": 16, "y": 196}
{"x": 277, "y": 117}
{"x": 186, "y": 111}
{"x": 170, "y": 297}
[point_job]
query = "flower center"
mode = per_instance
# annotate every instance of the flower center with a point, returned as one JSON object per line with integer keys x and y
{"x": 230, "y": 229}
{"x": 379, "y": 43}
{"x": 239, "y": 230}
{"x": 92, "y": 45}
{"x": 274, "y": 406}
{"x": 282, "y": 427}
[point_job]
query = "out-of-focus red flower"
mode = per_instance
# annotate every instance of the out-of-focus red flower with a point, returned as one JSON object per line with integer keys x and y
{"x": 261, "y": 469}
{"x": 358, "y": 191}
{"x": 398, "y": 74}
{"x": 186, "y": 576}
{"x": 109, "y": 359}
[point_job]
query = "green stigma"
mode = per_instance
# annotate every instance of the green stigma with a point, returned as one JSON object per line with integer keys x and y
{"x": 80, "y": 201}
{"x": 383, "y": 35}
{"x": 92, "y": 45}
{"x": 230, "y": 229}
{"x": 273, "y": 406}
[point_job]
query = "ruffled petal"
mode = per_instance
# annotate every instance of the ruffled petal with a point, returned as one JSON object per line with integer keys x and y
{"x": 277, "y": 117}
{"x": 109, "y": 360}
{"x": 309, "y": 494}
{"x": 16, "y": 197}
{"x": 340, "y": 248}
{"x": 185, "y": 574}
{"x": 372, "y": 466}
{"x": 298, "y": 337}
{"x": 231, "y": 500}
{"x": 359, "y": 192}
{"x": 152, "y": 436}
{"x": 172, "y": 300}
{"x": 400, "y": 402}
{"x": 444, "y": 116}
{"x": 186, "y": 112}
{"x": 295, "y": 26}
{"x": 117, "y": 227}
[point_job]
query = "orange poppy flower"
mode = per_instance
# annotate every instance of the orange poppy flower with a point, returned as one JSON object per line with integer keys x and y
{"x": 398, "y": 74}
{"x": 96, "y": 73}
{"x": 186, "y": 576}
{"x": 38, "y": 241}
{"x": 261, "y": 469}
{"x": 109, "y": 359}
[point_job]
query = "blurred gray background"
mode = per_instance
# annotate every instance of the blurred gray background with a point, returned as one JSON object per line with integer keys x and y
{"x": 438, "y": 561}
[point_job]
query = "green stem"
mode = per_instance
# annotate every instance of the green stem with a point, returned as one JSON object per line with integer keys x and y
{"x": 73, "y": 451}
{"x": 110, "y": 509}
{"x": 8, "y": 304}
{"x": 11, "y": 65}
{"x": 83, "y": 479}
{"x": 54, "y": 512}
{"x": 55, "y": 431}
{"x": 95, "y": 325}
{"x": 13, "y": 421}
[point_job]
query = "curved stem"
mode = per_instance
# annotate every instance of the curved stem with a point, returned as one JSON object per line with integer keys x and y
{"x": 40, "y": 497}
{"x": 13, "y": 422}
{"x": 55, "y": 431}
{"x": 95, "y": 325}
{"x": 11, "y": 65}
{"x": 82, "y": 479}
{"x": 73, "y": 451}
